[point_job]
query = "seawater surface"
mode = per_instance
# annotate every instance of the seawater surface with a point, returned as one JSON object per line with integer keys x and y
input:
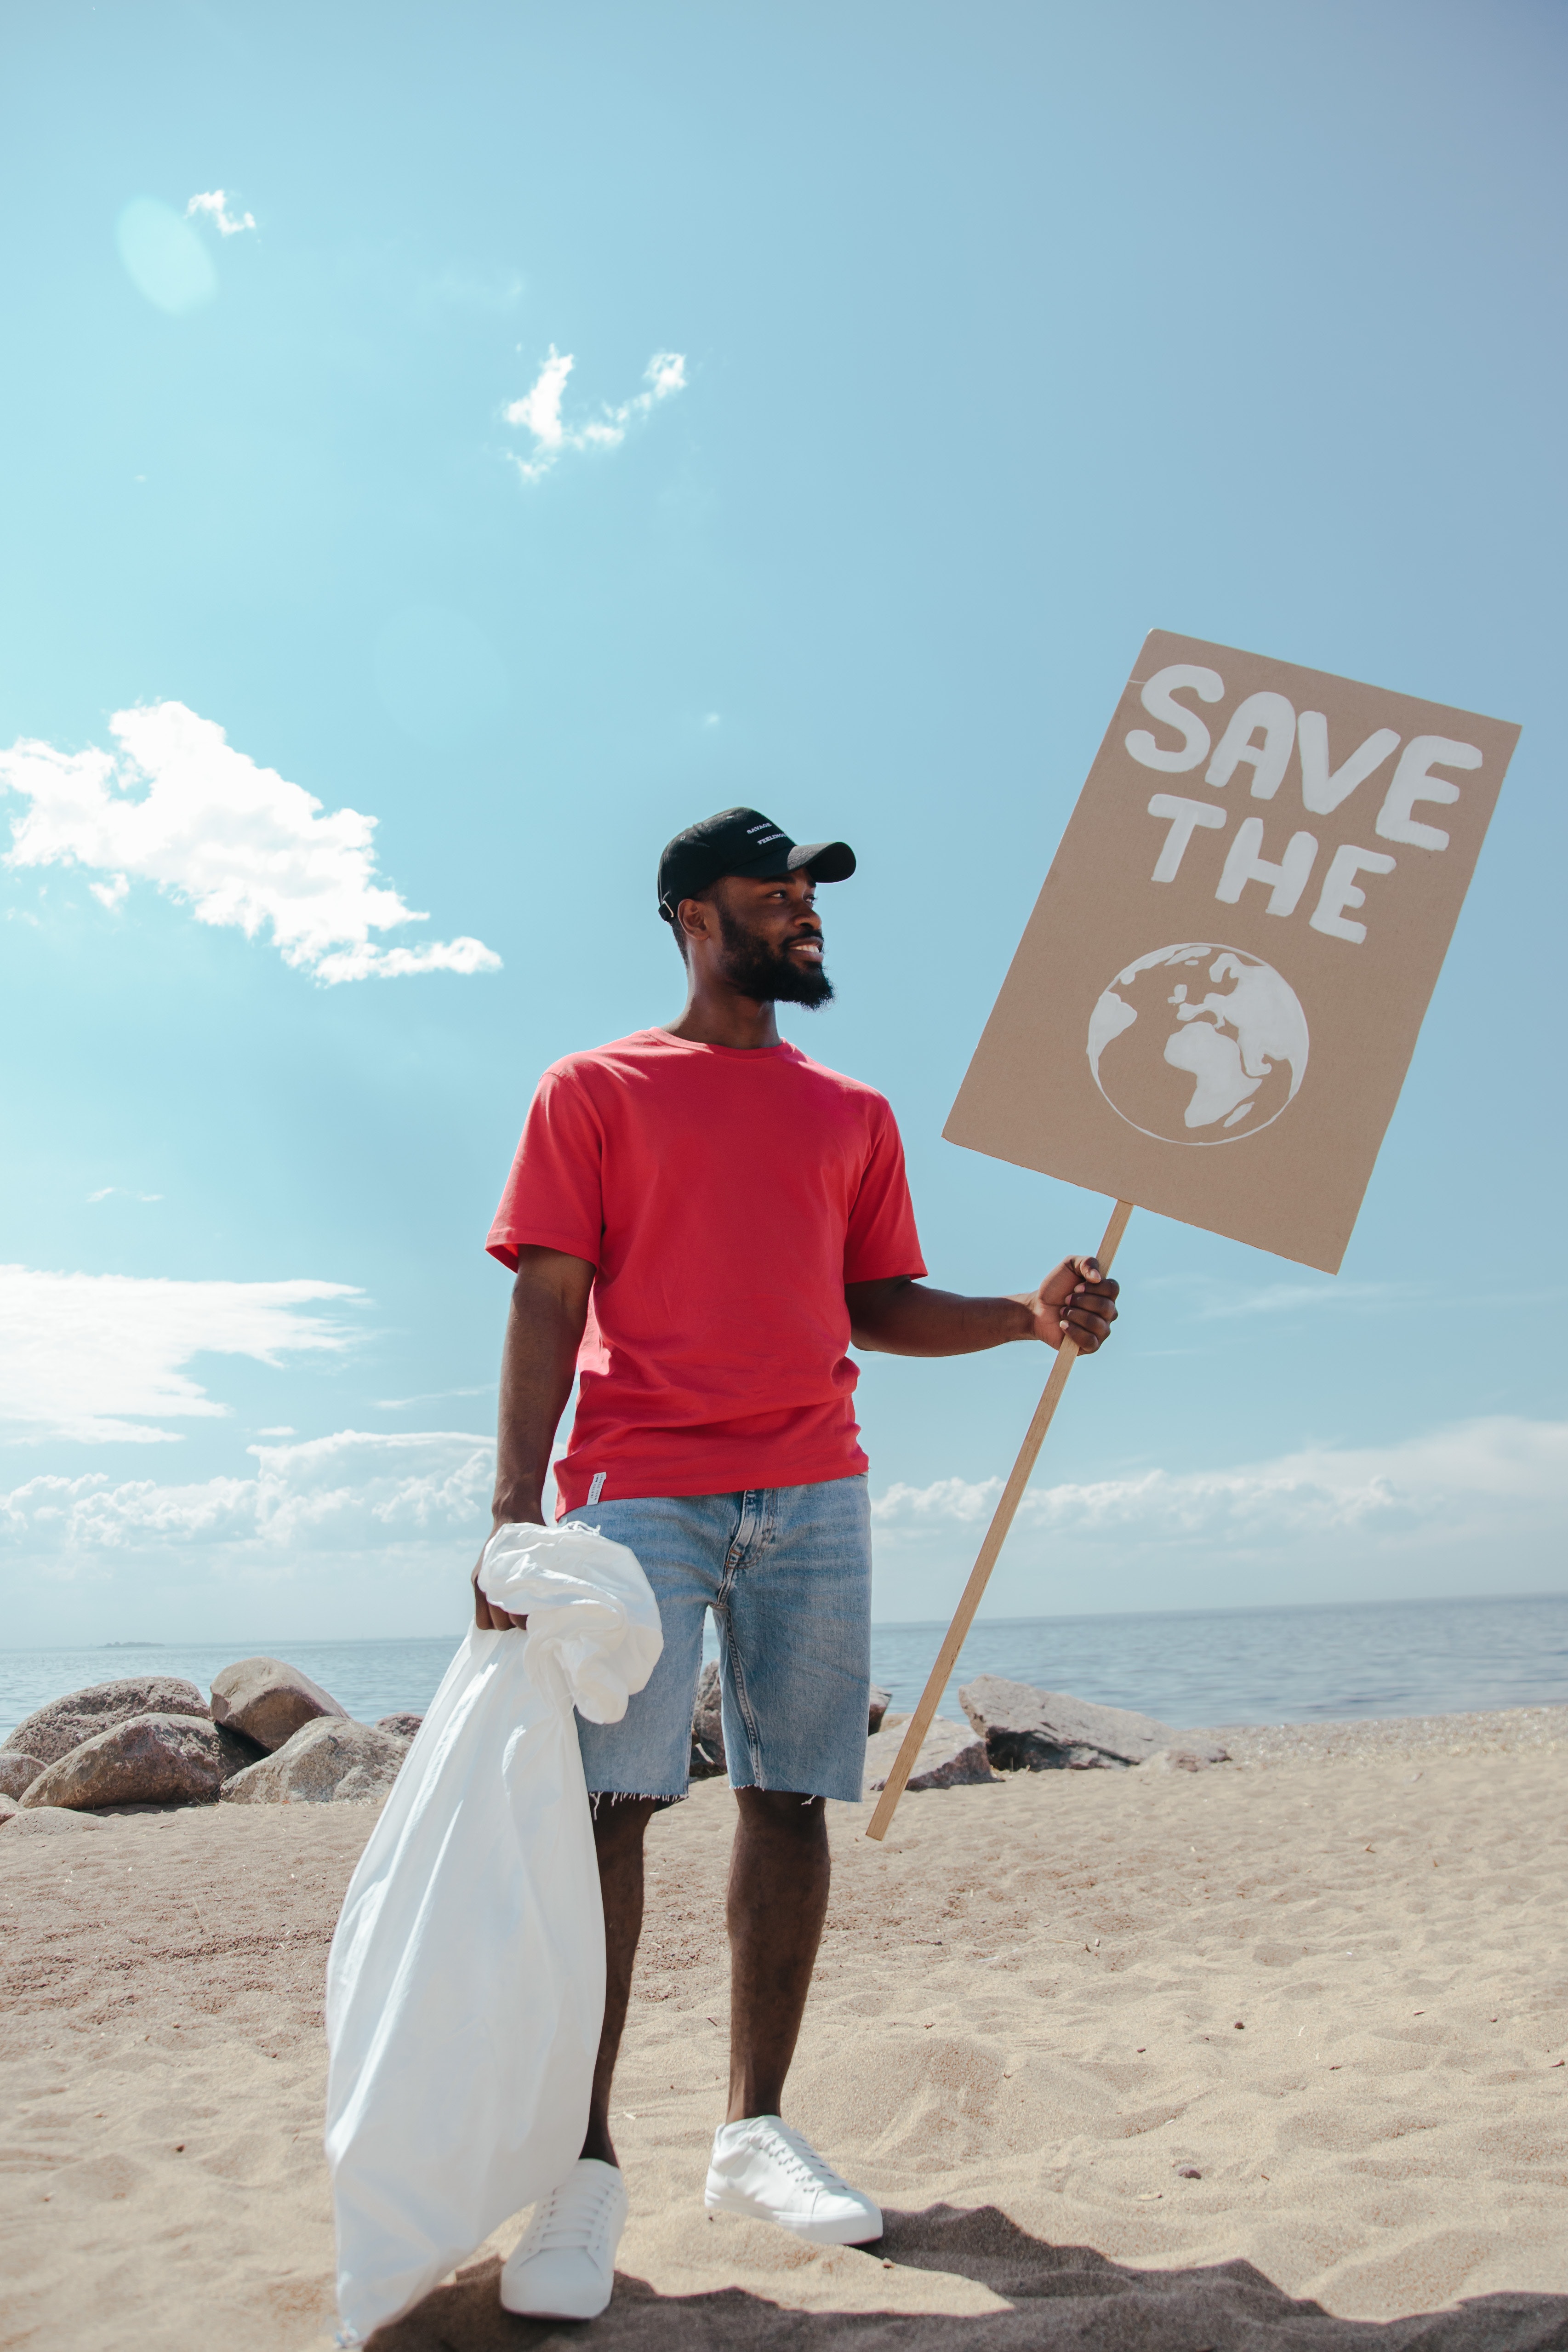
{"x": 1192, "y": 1666}
{"x": 1312, "y": 1664}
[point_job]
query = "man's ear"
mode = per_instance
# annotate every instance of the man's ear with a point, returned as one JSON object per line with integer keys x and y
{"x": 696, "y": 920}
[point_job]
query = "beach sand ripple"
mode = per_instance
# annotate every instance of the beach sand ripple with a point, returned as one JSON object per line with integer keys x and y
{"x": 1265, "y": 2055}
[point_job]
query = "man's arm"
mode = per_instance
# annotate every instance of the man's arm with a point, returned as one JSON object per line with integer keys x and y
{"x": 903, "y": 1317}
{"x": 539, "y": 1359}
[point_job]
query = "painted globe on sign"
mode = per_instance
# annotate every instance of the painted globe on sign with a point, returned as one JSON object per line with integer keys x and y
{"x": 1199, "y": 1044}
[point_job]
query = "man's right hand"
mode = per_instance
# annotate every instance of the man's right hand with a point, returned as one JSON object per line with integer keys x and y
{"x": 487, "y": 1616}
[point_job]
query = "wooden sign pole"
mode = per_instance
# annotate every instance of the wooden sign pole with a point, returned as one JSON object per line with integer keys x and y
{"x": 996, "y": 1536}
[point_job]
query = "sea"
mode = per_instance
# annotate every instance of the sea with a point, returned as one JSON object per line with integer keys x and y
{"x": 1189, "y": 1667}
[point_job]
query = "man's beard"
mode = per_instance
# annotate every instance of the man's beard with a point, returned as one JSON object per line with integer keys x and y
{"x": 770, "y": 977}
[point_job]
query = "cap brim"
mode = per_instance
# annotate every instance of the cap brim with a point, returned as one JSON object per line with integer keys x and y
{"x": 829, "y": 861}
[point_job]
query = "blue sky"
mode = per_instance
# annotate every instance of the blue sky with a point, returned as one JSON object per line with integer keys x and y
{"x": 923, "y": 359}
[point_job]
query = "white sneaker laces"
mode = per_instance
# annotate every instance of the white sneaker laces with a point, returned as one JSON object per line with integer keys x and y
{"x": 578, "y": 2227}
{"x": 797, "y": 2155}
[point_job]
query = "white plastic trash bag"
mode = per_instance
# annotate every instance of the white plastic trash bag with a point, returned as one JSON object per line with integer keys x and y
{"x": 465, "y": 1982}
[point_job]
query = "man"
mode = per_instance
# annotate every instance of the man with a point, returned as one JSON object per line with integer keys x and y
{"x": 702, "y": 1219}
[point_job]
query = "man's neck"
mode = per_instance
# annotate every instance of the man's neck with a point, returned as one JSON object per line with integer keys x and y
{"x": 724, "y": 1017}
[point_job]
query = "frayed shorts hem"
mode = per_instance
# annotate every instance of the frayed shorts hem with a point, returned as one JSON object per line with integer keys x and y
{"x": 807, "y": 1796}
{"x": 596, "y": 1797}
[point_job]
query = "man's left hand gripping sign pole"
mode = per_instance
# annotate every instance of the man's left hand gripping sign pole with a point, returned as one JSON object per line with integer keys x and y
{"x": 996, "y": 1536}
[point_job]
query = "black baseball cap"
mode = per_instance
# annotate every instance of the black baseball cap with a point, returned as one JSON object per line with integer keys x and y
{"x": 742, "y": 841}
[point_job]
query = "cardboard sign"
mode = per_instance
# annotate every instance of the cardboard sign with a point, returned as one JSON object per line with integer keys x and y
{"x": 1215, "y": 1003}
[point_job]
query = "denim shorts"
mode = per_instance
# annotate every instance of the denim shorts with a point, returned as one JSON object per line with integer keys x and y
{"x": 786, "y": 1572}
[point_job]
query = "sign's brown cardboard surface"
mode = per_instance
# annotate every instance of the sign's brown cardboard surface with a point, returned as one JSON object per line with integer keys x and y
{"x": 1216, "y": 1000}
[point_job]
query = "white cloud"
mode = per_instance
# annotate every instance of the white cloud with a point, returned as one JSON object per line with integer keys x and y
{"x": 96, "y": 1357}
{"x": 1286, "y": 1298}
{"x": 237, "y": 843}
{"x": 1473, "y": 1507}
{"x": 431, "y": 1396}
{"x": 107, "y": 1191}
{"x": 538, "y": 411}
{"x": 1319, "y": 1490}
{"x": 214, "y": 204}
{"x": 350, "y": 1491}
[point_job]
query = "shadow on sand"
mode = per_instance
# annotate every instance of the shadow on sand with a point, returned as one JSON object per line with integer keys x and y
{"x": 1062, "y": 2298}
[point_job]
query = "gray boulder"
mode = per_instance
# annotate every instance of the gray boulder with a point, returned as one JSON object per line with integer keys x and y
{"x": 330, "y": 1761}
{"x": 401, "y": 1726}
{"x": 708, "y": 1760}
{"x": 881, "y": 1701}
{"x": 8, "y": 1810}
{"x": 950, "y": 1756}
{"x": 1029, "y": 1730}
{"x": 236, "y": 1753}
{"x": 269, "y": 1701}
{"x": 16, "y": 1770}
{"x": 154, "y": 1760}
{"x": 65, "y": 1723}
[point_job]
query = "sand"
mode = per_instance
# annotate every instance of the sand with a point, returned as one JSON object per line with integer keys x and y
{"x": 1328, "y": 1979}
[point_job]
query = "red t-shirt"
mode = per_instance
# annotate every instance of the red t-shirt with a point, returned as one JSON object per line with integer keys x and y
{"x": 724, "y": 1198}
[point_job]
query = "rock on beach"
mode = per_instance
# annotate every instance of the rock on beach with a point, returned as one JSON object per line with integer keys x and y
{"x": 54, "y": 1730}
{"x": 237, "y": 1752}
{"x": 950, "y": 1756}
{"x": 269, "y": 1701}
{"x": 330, "y": 1761}
{"x": 149, "y": 1740}
{"x": 1029, "y": 1730}
{"x": 708, "y": 1760}
{"x": 153, "y": 1759}
{"x": 16, "y": 1770}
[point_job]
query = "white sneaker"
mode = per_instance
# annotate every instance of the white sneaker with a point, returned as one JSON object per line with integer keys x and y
{"x": 563, "y": 2266}
{"x": 762, "y": 2168}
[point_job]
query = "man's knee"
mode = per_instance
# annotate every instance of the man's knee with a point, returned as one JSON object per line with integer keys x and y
{"x": 620, "y": 1824}
{"x": 784, "y": 1811}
